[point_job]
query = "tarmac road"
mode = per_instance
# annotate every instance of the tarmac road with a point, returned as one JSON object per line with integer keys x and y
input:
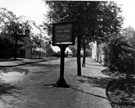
{"x": 31, "y": 86}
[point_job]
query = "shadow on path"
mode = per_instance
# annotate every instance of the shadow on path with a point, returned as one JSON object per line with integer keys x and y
{"x": 7, "y": 89}
{"x": 76, "y": 88}
{"x": 96, "y": 81}
{"x": 6, "y": 60}
{"x": 72, "y": 87}
{"x": 26, "y": 63}
{"x": 46, "y": 65}
{"x": 48, "y": 85}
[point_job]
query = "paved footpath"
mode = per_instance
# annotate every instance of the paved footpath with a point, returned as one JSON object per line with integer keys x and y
{"x": 34, "y": 89}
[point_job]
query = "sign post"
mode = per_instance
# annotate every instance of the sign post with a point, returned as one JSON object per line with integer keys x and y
{"x": 63, "y": 35}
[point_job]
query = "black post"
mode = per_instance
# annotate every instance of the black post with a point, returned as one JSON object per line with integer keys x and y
{"x": 62, "y": 62}
{"x": 61, "y": 81}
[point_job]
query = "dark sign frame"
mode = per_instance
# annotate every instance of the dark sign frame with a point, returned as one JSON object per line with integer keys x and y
{"x": 63, "y": 33}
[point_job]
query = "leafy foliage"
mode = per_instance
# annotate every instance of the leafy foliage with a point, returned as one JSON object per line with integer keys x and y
{"x": 13, "y": 27}
{"x": 38, "y": 42}
{"x": 73, "y": 49}
{"x": 6, "y": 47}
{"x": 129, "y": 35}
{"x": 94, "y": 18}
{"x": 119, "y": 55}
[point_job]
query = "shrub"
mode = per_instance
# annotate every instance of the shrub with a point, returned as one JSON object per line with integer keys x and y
{"x": 119, "y": 55}
{"x": 6, "y": 48}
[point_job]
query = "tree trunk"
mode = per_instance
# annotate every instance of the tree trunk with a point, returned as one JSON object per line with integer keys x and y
{"x": 78, "y": 56}
{"x": 31, "y": 53}
{"x": 39, "y": 54}
{"x": 15, "y": 56}
{"x": 84, "y": 56}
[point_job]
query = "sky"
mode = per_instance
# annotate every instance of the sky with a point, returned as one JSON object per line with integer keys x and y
{"x": 34, "y": 10}
{"x": 128, "y": 9}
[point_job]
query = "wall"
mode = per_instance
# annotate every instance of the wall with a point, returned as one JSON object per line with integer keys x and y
{"x": 97, "y": 51}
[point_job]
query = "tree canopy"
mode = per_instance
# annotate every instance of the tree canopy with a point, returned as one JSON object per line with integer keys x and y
{"x": 12, "y": 27}
{"x": 129, "y": 34}
{"x": 94, "y": 18}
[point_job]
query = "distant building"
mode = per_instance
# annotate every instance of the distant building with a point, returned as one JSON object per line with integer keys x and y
{"x": 94, "y": 50}
{"x": 97, "y": 51}
{"x": 56, "y": 50}
{"x": 24, "y": 48}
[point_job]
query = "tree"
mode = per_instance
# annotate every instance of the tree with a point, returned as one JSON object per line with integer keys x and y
{"x": 47, "y": 46}
{"x": 17, "y": 30}
{"x": 84, "y": 41}
{"x": 38, "y": 43}
{"x": 94, "y": 19}
{"x": 13, "y": 26}
{"x": 129, "y": 34}
{"x": 6, "y": 47}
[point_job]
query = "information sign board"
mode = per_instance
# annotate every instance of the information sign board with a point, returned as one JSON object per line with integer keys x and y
{"x": 63, "y": 33}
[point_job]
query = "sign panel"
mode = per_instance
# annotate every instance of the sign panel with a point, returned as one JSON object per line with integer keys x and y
{"x": 63, "y": 33}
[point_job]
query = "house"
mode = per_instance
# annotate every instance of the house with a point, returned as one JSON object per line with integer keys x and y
{"x": 24, "y": 48}
{"x": 41, "y": 52}
{"x": 97, "y": 51}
